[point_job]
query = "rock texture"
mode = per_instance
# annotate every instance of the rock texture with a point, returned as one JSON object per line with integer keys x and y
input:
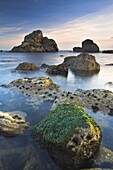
{"x": 87, "y": 46}
{"x": 25, "y": 66}
{"x": 35, "y": 42}
{"x": 82, "y": 62}
{"x": 95, "y": 99}
{"x": 60, "y": 69}
{"x": 70, "y": 135}
{"x": 12, "y": 124}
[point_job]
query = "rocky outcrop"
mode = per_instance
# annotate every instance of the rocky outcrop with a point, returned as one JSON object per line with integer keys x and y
{"x": 35, "y": 42}
{"x": 70, "y": 135}
{"x": 82, "y": 62}
{"x": 60, "y": 69}
{"x": 87, "y": 46}
{"x": 25, "y": 66}
{"x": 95, "y": 99}
{"x": 12, "y": 124}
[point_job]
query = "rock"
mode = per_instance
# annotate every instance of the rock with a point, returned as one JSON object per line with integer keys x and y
{"x": 108, "y": 51}
{"x": 95, "y": 99}
{"x": 82, "y": 62}
{"x": 87, "y": 46}
{"x": 39, "y": 89}
{"x": 44, "y": 65}
{"x": 70, "y": 135}
{"x": 35, "y": 42}
{"x": 111, "y": 64}
{"x": 77, "y": 49}
{"x": 25, "y": 66}
{"x": 12, "y": 124}
{"x": 60, "y": 69}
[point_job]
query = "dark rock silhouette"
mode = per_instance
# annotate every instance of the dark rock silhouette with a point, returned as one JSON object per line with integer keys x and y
{"x": 35, "y": 42}
{"x": 87, "y": 46}
{"x": 108, "y": 51}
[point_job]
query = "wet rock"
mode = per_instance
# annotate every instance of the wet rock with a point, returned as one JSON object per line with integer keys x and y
{"x": 35, "y": 42}
{"x": 77, "y": 49}
{"x": 82, "y": 62}
{"x": 60, "y": 69}
{"x": 111, "y": 64}
{"x": 25, "y": 66}
{"x": 12, "y": 124}
{"x": 95, "y": 99}
{"x": 108, "y": 51}
{"x": 70, "y": 135}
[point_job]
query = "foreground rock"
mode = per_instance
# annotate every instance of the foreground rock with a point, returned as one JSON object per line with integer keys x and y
{"x": 25, "y": 66}
{"x": 70, "y": 135}
{"x": 96, "y": 99}
{"x": 60, "y": 69}
{"x": 35, "y": 42}
{"x": 87, "y": 46}
{"x": 12, "y": 124}
{"x": 82, "y": 62}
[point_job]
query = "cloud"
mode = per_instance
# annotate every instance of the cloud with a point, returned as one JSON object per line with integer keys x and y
{"x": 97, "y": 26}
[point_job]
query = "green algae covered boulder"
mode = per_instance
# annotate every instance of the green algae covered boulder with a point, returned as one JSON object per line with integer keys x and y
{"x": 70, "y": 135}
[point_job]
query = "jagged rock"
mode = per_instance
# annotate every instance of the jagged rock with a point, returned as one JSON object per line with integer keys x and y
{"x": 35, "y": 42}
{"x": 12, "y": 124}
{"x": 70, "y": 135}
{"x": 87, "y": 46}
{"x": 95, "y": 99}
{"x": 25, "y": 66}
{"x": 60, "y": 69}
{"x": 82, "y": 62}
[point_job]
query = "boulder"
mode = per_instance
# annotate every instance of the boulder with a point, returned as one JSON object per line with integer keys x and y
{"x": 70, "y": 135}
{"x": 82, "y": 62}
{"x": 87, "y": 46}
{"x": 25, "y": 66}
{"x": 60, "y": 69}
{"x": 35, "y": 42}
{"x": 12, "y": 124}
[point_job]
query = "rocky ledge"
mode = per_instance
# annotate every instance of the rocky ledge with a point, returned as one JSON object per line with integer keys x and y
{"x": 95, "y": 99}
{"x": 12, "y": 124}
{"x": 70, "y": 135}
{"x": 87, "y": 46}
{"x": 35, "y": 42}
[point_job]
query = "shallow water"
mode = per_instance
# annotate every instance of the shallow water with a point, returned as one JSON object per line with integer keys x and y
{"x": 23, "y": 151}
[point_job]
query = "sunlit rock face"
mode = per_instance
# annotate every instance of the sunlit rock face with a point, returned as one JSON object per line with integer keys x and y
{"x": 70, "y": 135}
{"x": 35, "y": 42}
{"x": 87, "y": 46}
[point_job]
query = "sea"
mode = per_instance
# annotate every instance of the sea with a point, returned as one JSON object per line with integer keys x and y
{"x": 23, "y": 152}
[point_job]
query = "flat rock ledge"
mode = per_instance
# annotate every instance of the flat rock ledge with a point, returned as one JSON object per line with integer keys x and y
{"x": 25, "y": 66}
{"x": 12, "y": 124}
{"x": 95, "y": 99}
{"x": 70, "y": 135}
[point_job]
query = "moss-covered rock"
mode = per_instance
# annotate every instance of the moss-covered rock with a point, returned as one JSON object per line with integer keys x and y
{"x": 70, "y": 135}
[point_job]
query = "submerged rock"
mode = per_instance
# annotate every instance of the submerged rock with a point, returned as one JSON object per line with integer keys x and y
{"x": 25, "y": 66}
{"x": 87, "y": 46}
{"x": 95, "y": 99}
{"x": 12, "y": 124}
{"x": 60, "y": 69}
{"x": 70, "y": 135}
{"x": 35, "y": 42}
{"x": 82, "y": 62}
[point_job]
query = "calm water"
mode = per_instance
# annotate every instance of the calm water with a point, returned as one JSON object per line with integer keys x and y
{"x": 23, "y": 151}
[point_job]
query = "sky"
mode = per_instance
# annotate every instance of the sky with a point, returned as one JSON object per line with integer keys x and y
{"x": 68, "y": 22}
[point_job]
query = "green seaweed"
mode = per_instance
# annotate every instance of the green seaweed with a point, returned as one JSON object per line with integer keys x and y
{"x": 60, "y": 124}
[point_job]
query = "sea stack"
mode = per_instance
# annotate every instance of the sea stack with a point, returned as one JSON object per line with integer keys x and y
{"x": 87, "y": 46}
{"x": 35, "y": 42}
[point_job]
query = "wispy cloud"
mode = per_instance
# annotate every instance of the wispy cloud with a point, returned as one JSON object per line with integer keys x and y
{"x": 97, "y": 26}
